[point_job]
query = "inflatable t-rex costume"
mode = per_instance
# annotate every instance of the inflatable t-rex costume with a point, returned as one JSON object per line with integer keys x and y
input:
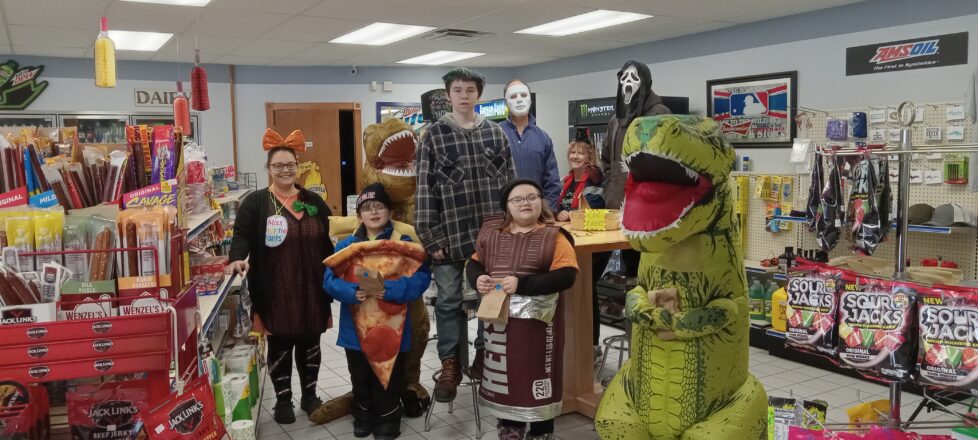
{"x": 390, "y": 147}
{"x": 687, "y": 377}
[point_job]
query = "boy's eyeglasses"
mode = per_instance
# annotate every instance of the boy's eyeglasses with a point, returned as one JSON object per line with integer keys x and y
{"x": 373, "y": 209}
{"x": 291, "y": 166}
{"x": 517, "y": 201}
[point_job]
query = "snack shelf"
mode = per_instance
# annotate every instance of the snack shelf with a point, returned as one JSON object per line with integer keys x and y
{"x": 754, "y": 266}
{"x": 234, "y": 196}
{"x": 197, "y": 223}
{"x": 210, "y": 305}
{"x": 775, "y": 334}
{"x": 945, "y": 230}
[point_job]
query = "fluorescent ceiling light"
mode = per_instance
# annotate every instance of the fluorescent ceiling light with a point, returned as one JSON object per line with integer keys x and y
{"x": 197, "y": 3}
{"x": 590, "y": 21}
{"x": 142, "y": 41}
{"x": 380, "y": 34}
{"x": 441, "y": 57}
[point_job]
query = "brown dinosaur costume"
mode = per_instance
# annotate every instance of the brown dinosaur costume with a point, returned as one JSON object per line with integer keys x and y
{"x": 390, "y": 148}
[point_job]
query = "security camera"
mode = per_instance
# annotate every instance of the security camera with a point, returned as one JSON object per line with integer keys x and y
{"x": 353, "y": 70}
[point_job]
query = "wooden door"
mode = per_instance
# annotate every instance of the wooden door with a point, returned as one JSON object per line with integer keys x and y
{"x": 320, "y": 124}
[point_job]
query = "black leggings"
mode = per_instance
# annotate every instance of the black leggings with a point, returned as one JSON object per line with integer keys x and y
{"x": 307, "y": 360}
{"x": 536, "y": 428}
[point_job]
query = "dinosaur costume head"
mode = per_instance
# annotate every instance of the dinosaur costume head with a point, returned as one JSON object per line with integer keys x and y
{"x": 390, "y": 148}
{"x": 678, "y": 169}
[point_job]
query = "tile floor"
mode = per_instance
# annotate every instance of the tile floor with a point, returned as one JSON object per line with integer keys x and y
{"x": 779, "y": 376}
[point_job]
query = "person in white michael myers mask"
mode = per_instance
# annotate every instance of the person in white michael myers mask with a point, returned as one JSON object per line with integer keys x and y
{"x": 532, "y": 148}
{"x": 635, "y": 98}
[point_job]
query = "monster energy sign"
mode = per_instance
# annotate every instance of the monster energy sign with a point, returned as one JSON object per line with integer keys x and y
{"x": 591, "y": 111}
{"x": 19, "y": 86}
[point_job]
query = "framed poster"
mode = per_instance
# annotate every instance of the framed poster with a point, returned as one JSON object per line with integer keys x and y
{"x": 409, "y": 112}
{"x": 755, "y": 111}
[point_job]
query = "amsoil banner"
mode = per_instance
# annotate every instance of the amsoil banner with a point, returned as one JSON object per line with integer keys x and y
{"x": 19, "y": 86}
{"x": 918, "y": 53}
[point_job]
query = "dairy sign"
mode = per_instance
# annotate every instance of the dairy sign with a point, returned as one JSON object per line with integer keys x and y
{"x": 155, "y": 98}
{"x": 917, "y": 53}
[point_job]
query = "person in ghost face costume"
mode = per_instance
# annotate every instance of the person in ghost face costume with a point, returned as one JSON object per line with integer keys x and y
{"x": 635, "y": 98}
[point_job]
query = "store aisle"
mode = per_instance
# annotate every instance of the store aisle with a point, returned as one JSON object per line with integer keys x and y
{"x": 780, "y": 377}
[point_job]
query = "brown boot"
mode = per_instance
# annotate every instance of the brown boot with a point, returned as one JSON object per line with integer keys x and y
{"x": 332, "y": 410}
{"x": 475, "y": 370}
{"x": 451, "y": 375}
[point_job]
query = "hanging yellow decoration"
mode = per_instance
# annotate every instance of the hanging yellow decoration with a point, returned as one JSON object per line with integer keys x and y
{"x": 104, "y": 57}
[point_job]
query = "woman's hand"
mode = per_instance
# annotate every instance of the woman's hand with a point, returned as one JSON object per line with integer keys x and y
{"x": 484, "y": 284}
{"x": 239, "y": 267}
{"x": 563, "y": 216}
{"x": 509, "y": 284}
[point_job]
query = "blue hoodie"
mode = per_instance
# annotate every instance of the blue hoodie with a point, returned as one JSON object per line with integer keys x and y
{"x": 401, "y": 291}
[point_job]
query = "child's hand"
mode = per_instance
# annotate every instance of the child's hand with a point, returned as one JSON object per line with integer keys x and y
{"x": 484, "y": 284}
{"x": 362, "y": 295}
{"x": 509, "y": 284}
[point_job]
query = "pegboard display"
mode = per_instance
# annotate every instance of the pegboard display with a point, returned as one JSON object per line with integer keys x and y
{"x": 812, "y": 124}
{"x": 759, "y": 243}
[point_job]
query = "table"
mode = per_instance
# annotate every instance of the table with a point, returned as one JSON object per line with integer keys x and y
{"x": 581, "y": 392}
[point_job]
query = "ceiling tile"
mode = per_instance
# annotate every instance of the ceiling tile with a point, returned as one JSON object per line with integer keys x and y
{"x": 237, "y": 24}
{"x": 656, "y": 28}
{"x": 438, "y": 13}
{"x": 246, "y": 60}
{"x": 150, "y": 17}
{"x": 271, "y": 48}
{"x": 206, "y": 43}
{"x": 45, "y": 51}
{"x": 134, "y": 55}
{"x": 313, "y": 29}
{"x": 302, "y": 62}
{"x": 56, "y": 13}
{"x": 277, "y": 6}
{"x": 537, "y": 45}
{"x": 520, "y": 16}
{"x": 172, "y": 57}
{"x": 46, "y": 36}
{"x": 329, "y": 51}
{"x": 503, "y": 60}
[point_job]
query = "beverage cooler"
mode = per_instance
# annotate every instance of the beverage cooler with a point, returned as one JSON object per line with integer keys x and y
{"x": 27, "y": 120}
{"x": 153, "y": 120}
{"x": 97, "y": 128}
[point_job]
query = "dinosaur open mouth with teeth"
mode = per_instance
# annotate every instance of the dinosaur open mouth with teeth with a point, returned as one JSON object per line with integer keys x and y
{"x": 396, "y": 156}
{"x": 659, "y": 192}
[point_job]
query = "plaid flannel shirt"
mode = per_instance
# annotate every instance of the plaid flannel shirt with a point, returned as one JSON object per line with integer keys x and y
{"x": 460, "y": 175}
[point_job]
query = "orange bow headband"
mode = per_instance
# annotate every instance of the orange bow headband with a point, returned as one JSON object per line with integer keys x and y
{"x": 295, "y": 141}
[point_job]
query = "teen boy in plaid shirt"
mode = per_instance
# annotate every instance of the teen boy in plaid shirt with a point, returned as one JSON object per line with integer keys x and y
{"x": 462, "y": 165}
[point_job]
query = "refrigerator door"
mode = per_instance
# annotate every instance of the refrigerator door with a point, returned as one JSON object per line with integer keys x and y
{"x": 98, "y": 128}
{"x": 153, "y": 120}
{"x": 27, "y": 120}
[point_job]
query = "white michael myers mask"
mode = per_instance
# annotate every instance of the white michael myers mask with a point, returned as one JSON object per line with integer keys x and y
{"x": 518, "y": 99}
{"x": 630, "y": 84}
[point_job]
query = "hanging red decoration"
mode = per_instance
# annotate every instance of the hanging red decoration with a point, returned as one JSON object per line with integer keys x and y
{"x": 200, "y": 101}
{"x": 181, "y": 111}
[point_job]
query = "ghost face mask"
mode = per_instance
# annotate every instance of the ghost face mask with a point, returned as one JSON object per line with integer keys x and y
{"x": 518, "y": 99}
{"x": 630, "y": 84}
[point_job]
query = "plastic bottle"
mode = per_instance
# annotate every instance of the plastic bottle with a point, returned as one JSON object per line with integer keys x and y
{"x": 769, "y": 299}
{"x": 756, "y": 296}
{"x": 745, "y": 164}
{"x": 779, "y": 302}
{"x": 104, "y": 57}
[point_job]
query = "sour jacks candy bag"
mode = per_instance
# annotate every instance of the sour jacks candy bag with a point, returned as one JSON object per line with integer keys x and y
{"x": 948, "y": 355}
{"x": 875, "y": 317}
{"x": 813, "y": 298}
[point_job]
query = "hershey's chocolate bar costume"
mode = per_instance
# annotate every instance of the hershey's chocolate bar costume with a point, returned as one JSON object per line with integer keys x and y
{"x": 523, "y": 374}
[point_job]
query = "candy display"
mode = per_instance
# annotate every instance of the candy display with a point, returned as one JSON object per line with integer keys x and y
{"x": 813, "y": 298}
{"x": 875, "y": 322}
{"x": 948, "y": 322}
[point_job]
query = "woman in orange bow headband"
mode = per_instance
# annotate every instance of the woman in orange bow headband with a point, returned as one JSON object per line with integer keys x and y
{"x": 283, "y": 232}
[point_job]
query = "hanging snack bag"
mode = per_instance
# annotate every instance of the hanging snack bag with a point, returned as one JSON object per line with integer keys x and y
{"x": 867, "y": 228}
{"x": 948, "y": 323}
{"x": 164, "y": 154}
{"x": 76, "y": 238}
{"x": 813, "y": 295}
{"x": 108, "y": 411}
{"x": 874, "y": 327}
{"x": 188, "y": 416}
{"x": 828, "y": 225}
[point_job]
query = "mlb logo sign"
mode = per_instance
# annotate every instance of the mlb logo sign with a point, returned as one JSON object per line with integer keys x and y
{"x": 748, "y": 104}
{"x": 762, "y": 101}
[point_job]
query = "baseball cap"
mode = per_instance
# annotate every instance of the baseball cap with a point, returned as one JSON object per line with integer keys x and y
{"x": 951, "y": 215}
{"x": 919, "y": 214}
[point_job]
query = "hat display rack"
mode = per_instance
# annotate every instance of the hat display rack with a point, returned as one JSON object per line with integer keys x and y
{"x": 902, "y": 154}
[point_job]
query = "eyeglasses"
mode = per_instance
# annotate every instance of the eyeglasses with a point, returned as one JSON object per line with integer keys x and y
{"x": 291, "y": 166}
{"x": 517, "y": 201}
{"x": 373, "y": 208}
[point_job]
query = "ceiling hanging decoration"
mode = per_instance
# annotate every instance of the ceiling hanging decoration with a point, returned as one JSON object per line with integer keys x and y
{"x": 104, "y": 57}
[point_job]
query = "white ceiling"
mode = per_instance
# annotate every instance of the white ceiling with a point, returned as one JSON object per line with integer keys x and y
{"x": 295, "y": 32}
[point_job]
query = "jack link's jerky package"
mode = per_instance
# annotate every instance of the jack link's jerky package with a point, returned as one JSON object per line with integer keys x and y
{"x": 107, "y": 412}
{"x": 191, "y": 415}
{"x": 813, "y": 298}
{"x": 948, "y": 325}
{"x": 875, "y": 320}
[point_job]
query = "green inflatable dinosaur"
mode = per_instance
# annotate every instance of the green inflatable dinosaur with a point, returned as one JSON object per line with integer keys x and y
{"x": 687, "y": 377}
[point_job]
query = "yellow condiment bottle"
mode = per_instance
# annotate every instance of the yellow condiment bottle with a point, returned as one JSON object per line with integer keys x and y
{"x": 779, "y": 319}
{"x": 104, "y": 57}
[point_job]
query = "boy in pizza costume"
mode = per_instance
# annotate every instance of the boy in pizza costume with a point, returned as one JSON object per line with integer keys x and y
{"x": 374, "y": 274}
{"x": 522, "y": 255}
